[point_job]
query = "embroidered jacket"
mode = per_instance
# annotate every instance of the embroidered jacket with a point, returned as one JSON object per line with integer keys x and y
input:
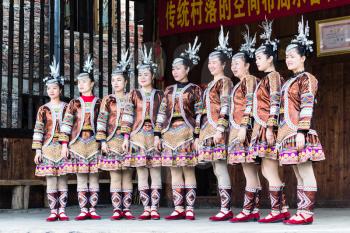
{"x": 216, "y": 102}
{"x": 298, "y": 98}
{"x": 242, "y": 102}
{"x": 109, "y": 118}
{"x": 267, "y": 98}
{"x": 186, "y": 104}
{"x": 135, "y": 111}
{"x": 77, "y": 119}
{"x": 47, "y": 125}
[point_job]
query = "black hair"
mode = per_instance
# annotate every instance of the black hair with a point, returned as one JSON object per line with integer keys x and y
{"x": 269, "y": 52}
{"x": 223, "y": 58}
{"x": 246, "y": 58}
{"x": 301, "y": 50}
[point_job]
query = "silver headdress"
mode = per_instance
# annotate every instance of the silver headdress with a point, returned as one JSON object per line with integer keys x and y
{"x": 302, "y": 37}
{"x": 266, "y": 35}
{"x": 223, "y": 45}
{"x": 88, "y": 67}
{"x": 123, "y": 67}
{"x": 147, "y": 62}
{"x": 54, "y": 74}
{"x": 190, "y": 56}
{"x": 248, "y": 47}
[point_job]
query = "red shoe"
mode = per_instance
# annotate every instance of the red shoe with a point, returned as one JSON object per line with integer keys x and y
{"x": 155, "y": 215}
{"x": 303, "y": 221}
{"x": 128, "y": 215}
{"x": 190, "y": 217}
{"x": 94, "y": 215}
{"x": 252, "y": 217}
{"x": 274, "y": 218}
{"x": 53, "y": 217}
{"x": 286, "y": 215}
{"x": 82, "y": 216}
{"x": 145, "y": 217}
{"x": 117, "y": 217}
{"x": 178, "y": 216}
{"x": 226, "y": 217}
{"x": 63, "y": 217}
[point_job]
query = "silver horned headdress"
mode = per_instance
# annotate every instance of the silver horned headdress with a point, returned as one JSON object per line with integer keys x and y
{"x": 302, "y": 37}
{"x": 223, "y": 45}
{"x": 247, "y": 48}
{"x": 147, "y": 62}
{"x": 123, "y": 67}
{"x": 266, "y": 36}
{"x": 54, "y": 74}
{"x": 88, "y": 67}
{"x": 189, "y": 56}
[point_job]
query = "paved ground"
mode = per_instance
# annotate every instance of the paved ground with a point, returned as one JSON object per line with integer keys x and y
{"x": 327, "y": 220}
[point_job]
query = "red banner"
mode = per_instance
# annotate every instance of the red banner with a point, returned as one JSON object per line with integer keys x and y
{"x": 176, "y": 16}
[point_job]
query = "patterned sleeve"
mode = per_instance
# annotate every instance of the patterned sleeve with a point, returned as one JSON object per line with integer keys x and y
{"x": 39, "y": 128}
{"x": 161, "y": 116}
{"x": 225, "y": 93}
{"x": 308, "y": 90}
{"x": 250, "y": 84}
{"x": 67, "y": 123}
{"x": 198, "y": 109}
{"x": 102, "y": 120}
{"x": 128, "y": 114}
{"x": 275, "y": 98}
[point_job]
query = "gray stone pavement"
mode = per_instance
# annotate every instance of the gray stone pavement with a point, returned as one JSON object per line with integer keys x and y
{"x": 33, "y": 220}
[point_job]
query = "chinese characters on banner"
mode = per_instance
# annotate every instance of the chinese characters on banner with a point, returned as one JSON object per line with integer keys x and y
{"x": 177, "y": 16}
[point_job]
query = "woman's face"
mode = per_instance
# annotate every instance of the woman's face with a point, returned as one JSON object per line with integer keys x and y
{"x": 145, "y": 77}
{"x": 180, "y": 72}
{"x": 239, "y": 67}
{"x": 118, "y": 83}
{"x": 294, "y": 61}
{"x": 262, "y": 61}
{"x": 215, "y": 66}
{"x": 85, "y": 85}
{"x": 53, "y": 90}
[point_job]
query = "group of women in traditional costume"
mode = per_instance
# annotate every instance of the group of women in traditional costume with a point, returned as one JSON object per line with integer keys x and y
{"x": 258, "y": 123}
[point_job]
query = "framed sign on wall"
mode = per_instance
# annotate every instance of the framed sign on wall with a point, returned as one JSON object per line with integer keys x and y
{"x": 333, "y": 36}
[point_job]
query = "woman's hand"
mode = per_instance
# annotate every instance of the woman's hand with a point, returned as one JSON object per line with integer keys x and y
{"x": 242, "y": 133}
{"x": 218, "y": 137}
{"x": 65, "y": 151}
{"x": 38, "y": 157}
{"x": 196, "y": 145}
{"x": 300, "y": 141}
{"x": 157, "y": 143}
{"x": 125, "y": 145}
{"x": 105, "y": 147}
{"x": 269, "y": 136}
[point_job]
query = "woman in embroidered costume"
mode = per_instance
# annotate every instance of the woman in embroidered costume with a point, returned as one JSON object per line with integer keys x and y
{"x": 48, "y": 159}
{"x": 109, "y": 134}
{"x": 178, "y": 124}
{"x": 78, "y": 129}
{"x": 138, "y": 122}
{"x": 241, "y": 126}
{"x": 298, "y": 144}
{"x": 214, "y": 124}
{"x": 266, "y": 101}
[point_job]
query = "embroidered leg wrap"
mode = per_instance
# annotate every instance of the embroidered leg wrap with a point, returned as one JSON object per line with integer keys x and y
{"x": 116, "y": 197}
{"x": 83, "y": 200}
{"x": 309, "y": 200}
{"x": 225, "y": 198}
{"x": 191, "y": 195}
{"x": 155, "y": 196}
{"x": 63, "y": 199}
{"x": 127, "y": 199}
